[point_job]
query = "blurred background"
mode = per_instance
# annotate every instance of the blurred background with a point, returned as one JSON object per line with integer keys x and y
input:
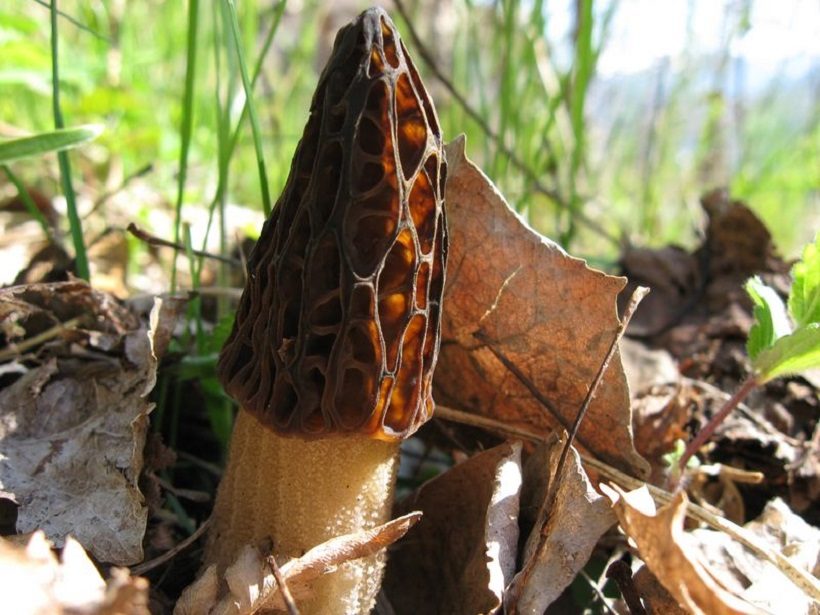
{"x": 601, "y": 121}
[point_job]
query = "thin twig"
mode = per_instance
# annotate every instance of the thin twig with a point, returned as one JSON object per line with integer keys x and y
{"x": 75, "y": 22}
{"x": 152, "y": 240}
{"x": 189, "y": 494}
{"x": 141, "y": 172}
{"x": 637, "y": 295}
{"x": 283, "y": 586}
{"x": 803, "y": 579}
{"x": 517, "y": 162}
{"x": 14, "y": 349}
{"x": 499, "y": 354}
{"x": 144, "y": 567}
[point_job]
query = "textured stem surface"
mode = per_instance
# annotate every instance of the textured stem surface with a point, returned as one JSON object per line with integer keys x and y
{"x": 300, "y": 493}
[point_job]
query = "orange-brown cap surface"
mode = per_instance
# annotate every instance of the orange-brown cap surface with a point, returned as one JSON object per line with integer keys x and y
{"x": 338, "y": 327}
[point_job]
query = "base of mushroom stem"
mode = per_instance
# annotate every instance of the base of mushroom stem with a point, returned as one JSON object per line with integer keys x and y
{"x": 300, "y": 493}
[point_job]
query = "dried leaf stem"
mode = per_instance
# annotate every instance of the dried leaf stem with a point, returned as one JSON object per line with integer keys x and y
{"x": 282, "y": 584}
{"x": 482, "y": 337}
{"x": 153, "y": 240}
{"x": 637, "y": 295}
{"x": 141, "y": 569}
{"x": 13, "y": 349}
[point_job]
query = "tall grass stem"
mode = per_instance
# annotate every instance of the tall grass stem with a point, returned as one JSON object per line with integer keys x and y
{"x": 74, "y": 222}
{"x": 257, "y": 132}
{"x": 187, "y": 122}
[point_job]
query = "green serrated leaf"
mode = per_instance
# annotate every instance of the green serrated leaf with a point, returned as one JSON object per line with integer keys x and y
{"x": 804, "y": 299}
{"x": 54, "y": 141}
{"x": 790, "y": 355}
{"x": 771, "y": 320}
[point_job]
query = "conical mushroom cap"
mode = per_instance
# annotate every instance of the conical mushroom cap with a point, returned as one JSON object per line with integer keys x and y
{"x": 338, "y": 327}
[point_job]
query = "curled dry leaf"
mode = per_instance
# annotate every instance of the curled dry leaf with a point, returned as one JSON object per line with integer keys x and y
{"x": 73, "y": 423}
{"x": 511, "y": 292}
{"x": 462, "y": 554}
{"x": 757, "y": 580}
{"x": 563, "y": 535}
{"x": 670, "y": 553}
{"x": 32, "y": 580}
{"x": 250, "y": 586}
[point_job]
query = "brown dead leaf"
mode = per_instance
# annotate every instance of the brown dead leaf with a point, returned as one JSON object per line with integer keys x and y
{"x": 32, "y": 580}
{"x": 674, "y": 277}
{"x": 73, "y": 424}
{"x": 201, "y": 595}
{"x": 462, "y": 554}
{"x": 512, "y": 291}
{"x": 670, "y": 553}
{"x": 250, "y": 586}
{"x": 564, "y": 536}
{"x": 759, "y": 581}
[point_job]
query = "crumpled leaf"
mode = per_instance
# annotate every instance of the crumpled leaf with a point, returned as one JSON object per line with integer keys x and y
{"x": 759, "y": 581}
{"x": 32, "y": 580}
{"x": 250, "y": 585}
{"x": 462, "y": 555}
{"x": 511, "y": 291}
{"x": 670, "y": 553}
{"x": 563, "y": 536}
{"x": 73, "y": 424}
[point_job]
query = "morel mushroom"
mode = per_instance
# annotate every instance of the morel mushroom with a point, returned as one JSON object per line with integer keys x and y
{"x": 337, "y": 332}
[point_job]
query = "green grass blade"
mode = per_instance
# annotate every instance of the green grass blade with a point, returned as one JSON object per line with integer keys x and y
{"x": 45, "y": 142}
{"x": 582, "y": 70}
{"x": 74, "y": 222}
{"x": 277, "y": 18}
{"x": 75, "y": 22}
{"x": 257, "y": 132}
{"x": 187, "y": 123}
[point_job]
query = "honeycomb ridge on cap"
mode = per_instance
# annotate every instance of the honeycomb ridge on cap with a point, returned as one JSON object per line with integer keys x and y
{"x": 338, "y": 327}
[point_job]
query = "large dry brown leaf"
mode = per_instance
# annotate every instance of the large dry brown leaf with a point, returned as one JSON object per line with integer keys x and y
{"x": 250, "y": 586}
{"x": 73, "y": 424}
{"x": 462, "y": 554}
{"x": 33, "y": 581}
{"x": 511, "y": 290}
{"x": 563, "y": 536}
{"x": 670, "y": 553}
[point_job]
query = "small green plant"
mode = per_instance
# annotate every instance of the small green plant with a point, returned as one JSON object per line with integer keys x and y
{"x": 784, "y": 339}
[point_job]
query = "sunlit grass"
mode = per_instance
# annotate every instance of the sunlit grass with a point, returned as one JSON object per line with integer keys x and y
{"x": 129, "y": 69}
